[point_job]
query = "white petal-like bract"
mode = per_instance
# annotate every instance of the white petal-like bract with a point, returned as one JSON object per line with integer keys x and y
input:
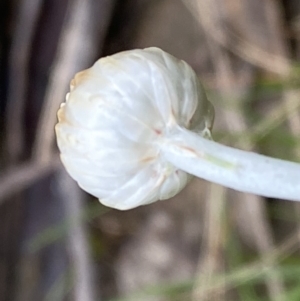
{"x": 114, "y": 119}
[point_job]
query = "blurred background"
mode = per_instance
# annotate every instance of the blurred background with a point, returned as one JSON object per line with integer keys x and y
{"x": 207, "y": 243}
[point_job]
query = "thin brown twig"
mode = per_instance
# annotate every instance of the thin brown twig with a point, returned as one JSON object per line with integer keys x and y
{"x": 224, "y": 37}
{"x": 26, "y": 21}
{"x": 22, "y": 176}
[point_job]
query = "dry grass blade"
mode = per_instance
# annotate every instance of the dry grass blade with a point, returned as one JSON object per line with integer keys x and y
{"x": 26, "y": 22}
{"x": 24, "y": 175}
{"x": 255, "y": 269}
{"x": 253, "y": 214}
{"x": 210, "y": 264}
{"x": 278, "y": 115}
{"x": 228, "y": 80}
{"x": 78, "y": 244}
{"x": 290, "y": 96}
{"x": 229, "y": 40}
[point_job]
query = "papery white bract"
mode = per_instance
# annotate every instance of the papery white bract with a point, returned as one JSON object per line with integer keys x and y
{"x": 114, "y": 119}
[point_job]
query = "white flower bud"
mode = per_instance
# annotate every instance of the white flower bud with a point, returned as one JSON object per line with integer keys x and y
{"x": 113, "y": 121}
{"x": 131, "y": 128}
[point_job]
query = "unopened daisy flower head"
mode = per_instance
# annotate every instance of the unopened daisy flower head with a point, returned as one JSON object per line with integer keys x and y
{"x": 136, "y": 125}
{"x": 117, "y": 116}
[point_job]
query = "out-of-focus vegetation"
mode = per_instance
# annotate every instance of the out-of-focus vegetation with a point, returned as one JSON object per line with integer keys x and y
{"x": 207, "y": 243}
